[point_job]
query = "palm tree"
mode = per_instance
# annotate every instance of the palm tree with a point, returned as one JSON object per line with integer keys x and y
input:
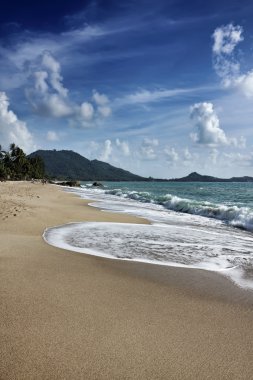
{"x": 2, "y": 154}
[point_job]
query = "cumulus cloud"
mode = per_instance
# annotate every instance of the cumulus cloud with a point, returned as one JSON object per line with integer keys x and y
{"x": 102, "y": 102}
{"x": 104, "y": 111}
{"x": 50, "y": 98}
{"x": 245, "y": 83}
{"x": 100, "y": 99}
{"x": 187, "y": 156}
{"x": 208, "y": 127}
{"x": 52, "y": 105}
{"x": 226, "y": 38}
{"x": 106, "y": 151}
{"x": 12, "y": 129}
{"x": 123, "y": 146}
{"x": 171, "y": 154}
{"x": 226, "y": 64}
{"x": 86, "y": 111}
{"x": 148, "y": 149}
{"x": 52, "y": 136}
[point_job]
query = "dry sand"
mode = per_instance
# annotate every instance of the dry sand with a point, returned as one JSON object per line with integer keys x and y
{"x": 65, "y": 315}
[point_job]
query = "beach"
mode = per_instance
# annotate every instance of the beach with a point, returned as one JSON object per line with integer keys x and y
{"x": 68, "y": 315}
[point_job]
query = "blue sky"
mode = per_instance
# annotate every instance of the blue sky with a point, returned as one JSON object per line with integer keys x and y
{"x": 159, "y": 88}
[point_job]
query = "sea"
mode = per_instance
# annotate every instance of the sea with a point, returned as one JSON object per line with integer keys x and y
{"x": 207, "y": 226}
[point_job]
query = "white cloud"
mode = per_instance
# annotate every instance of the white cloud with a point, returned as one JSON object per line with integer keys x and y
{"x": 187, "y": 155}
{"x": 106, "y": 151}
{"x": 226, "y": 38}
{"x": 12, "y": 129}
{"x": 50, "y": 98}
{"x": 148, "y": 149}
{"x": 55, "y": 77}
{"x": 238, "y": 159}
{"x": 227, "y": 66}
{"x": 189, "y": 158}
{"x": 40, "y": 81}
{"x": 28, "y": 46}
{"x": 52, "y": 136}
{"x": 105, "y": 111}
{"x": 147, "y": 153}
{"x": 208, "y": 125}
{"x": 171, "y": 154}
{"x": 100, "y": 99}
{"x": 87, "y": 111}
{"x": 146, "y": 96}
{"x": 245, "y": 83}
{"x": 102, "y": 102}
{"x": 51, "y": 105}
{"x": 123, "y": 146}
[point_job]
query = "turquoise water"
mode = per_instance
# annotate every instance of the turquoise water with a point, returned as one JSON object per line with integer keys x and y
{"x": 194, "y": 225}
{"x": 230, "y": 202}
{"x": 240, "y": 194}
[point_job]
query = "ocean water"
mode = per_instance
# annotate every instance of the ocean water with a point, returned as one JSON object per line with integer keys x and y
{"x": 194, "y": 225}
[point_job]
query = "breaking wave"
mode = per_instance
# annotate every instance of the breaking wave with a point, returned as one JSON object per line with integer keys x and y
{"x": 241, "y": 217}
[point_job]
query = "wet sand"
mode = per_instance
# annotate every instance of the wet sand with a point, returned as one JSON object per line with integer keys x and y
{"x": 65, "y": 315}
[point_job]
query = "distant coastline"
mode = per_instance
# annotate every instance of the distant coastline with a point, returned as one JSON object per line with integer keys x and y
{"x": 196, "y": 177}
{"x": 67, "y": 165}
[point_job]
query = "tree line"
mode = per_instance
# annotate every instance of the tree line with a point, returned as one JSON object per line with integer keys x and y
{"x": 15, "y": 165}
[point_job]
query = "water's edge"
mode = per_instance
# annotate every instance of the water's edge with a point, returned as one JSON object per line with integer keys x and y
{"x": 53, "y": 236}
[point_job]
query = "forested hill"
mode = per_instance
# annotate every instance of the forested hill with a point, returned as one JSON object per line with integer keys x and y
{"x": 66, "y": 164}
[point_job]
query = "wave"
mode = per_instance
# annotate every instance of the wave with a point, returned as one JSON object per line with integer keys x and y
{"x": 241, "y": 217}
{"x": 163, "y": 244}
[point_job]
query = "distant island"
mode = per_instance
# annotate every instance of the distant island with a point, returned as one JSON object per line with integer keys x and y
{"x": 196, "y": 177}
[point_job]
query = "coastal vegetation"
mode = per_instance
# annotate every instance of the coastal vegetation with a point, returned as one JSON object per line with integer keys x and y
{"x": 16, "y": 165}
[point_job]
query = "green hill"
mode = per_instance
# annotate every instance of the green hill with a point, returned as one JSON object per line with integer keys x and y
{"x": 68, "y": 165}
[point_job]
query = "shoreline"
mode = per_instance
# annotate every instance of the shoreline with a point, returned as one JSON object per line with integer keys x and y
{"x": 81, "y": 316}
{"x": 90, "y": 202}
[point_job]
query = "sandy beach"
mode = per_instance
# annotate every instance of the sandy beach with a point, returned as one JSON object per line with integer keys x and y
{"x": 65, "y": 315}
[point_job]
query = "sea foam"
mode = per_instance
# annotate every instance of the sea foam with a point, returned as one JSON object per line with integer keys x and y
{"x": 162, "y": 244}
{"x": 176, "y": 237}
{"x": 241, "y": 217}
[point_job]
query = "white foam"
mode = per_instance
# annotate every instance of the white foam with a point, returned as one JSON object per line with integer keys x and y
{"x": 163, "y": 244}
{"x": 234, "y": 215}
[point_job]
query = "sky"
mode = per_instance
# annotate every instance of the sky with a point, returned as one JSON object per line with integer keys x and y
{"x": 161, "y": 88}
